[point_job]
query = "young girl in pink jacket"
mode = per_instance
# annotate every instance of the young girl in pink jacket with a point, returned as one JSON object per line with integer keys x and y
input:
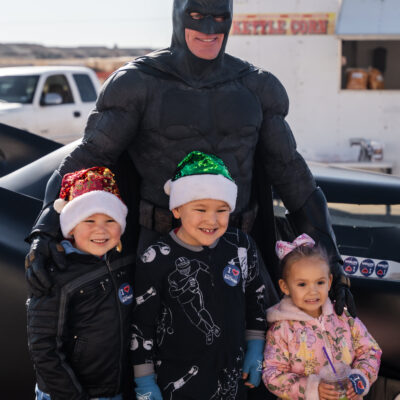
{"x": 304, "y": 322}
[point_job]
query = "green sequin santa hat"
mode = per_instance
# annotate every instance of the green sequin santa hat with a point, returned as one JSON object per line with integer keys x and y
{"x": 201, "y": 176}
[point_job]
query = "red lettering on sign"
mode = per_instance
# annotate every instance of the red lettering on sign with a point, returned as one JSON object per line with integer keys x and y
{"x": 317, "y": 27}
{"x": 323, "y": 26}
{"x": 259, "y": 27}
{"x": 272, "y": 30}
{"x": 236, "y": 28}
{"x": 277, "y": 27}
{"x": 312, "y": 27}
{"x": 282, "y": 27}
{"x": 241, "y": 28}
{"x": 299, "y": 27}
{"x": 246, "y": 28}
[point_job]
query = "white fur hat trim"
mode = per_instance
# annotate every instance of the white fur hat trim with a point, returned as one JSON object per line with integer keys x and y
{"x": 199, "y": 187}
{"x": 94, "y": 202}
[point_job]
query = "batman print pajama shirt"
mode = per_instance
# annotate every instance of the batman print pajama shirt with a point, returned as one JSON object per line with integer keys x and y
{"x": 195, "y": 306}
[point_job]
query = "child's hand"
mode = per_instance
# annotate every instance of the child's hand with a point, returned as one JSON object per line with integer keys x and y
{"x": 327, "y": 392}
{"x": 147, "y": 388}
{"x": 351, "y": 394}
{"x": 245, "y": 375}
{"x": 252, "y": 365}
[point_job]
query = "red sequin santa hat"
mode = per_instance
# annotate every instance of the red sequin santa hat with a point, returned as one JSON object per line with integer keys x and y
{"x": 87, "y": 192}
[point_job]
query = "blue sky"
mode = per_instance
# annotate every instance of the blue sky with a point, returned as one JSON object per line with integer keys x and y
{"x": 126, "y": 23}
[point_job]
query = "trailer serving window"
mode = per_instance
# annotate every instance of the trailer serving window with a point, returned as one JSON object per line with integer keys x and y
{"x": 370, "y": 44}
{"x": 371, "y": 64}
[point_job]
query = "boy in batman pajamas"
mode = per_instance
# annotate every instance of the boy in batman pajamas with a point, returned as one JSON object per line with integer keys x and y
{"x": 214, "y": 294}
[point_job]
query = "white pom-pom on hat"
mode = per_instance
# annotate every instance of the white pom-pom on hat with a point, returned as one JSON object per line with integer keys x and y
{"x": 167, "y": 187}
{"x": 59, "y": 204}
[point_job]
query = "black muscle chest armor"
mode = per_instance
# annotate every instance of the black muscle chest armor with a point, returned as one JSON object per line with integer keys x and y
{"x": 223, "y": 120}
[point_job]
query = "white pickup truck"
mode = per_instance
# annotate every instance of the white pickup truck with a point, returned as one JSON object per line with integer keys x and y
{"x": 53, "y": 102}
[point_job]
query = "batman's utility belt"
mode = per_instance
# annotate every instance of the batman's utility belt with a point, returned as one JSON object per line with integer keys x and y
{"x": 162, "y": 221}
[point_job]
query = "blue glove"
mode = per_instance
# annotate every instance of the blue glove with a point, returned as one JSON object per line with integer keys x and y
{"x": 252, "y": 366}
{"x": 147, "y": 388}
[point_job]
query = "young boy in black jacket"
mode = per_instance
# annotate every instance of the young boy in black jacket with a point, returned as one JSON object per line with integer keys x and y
{"x": 78, "y": 334}
{"x": 200, "y": 315}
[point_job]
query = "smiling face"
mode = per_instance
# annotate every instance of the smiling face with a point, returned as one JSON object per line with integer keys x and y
{"x": 203, "y": 221}
{"x": 203, "y": 45}
{"x": 307, "y": 282}
{"x": 96, "y": 234}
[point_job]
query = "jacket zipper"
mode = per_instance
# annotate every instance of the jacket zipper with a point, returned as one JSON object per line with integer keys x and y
{"x": 65, "y": 291}
{"x": 327, "y": 344}
{"x": 121, "y": 338}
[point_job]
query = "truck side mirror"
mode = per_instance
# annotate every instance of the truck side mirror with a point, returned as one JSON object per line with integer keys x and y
{"x": 52, "y": 99}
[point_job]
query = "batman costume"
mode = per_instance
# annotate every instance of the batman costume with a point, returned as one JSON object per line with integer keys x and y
{"x": 156, "y": 109}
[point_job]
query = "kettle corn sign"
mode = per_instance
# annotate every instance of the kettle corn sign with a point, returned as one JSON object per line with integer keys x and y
{"x": 284, "y": 24}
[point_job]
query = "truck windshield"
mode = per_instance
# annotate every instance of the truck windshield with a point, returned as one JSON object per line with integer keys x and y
{"x": 18, "y": 88}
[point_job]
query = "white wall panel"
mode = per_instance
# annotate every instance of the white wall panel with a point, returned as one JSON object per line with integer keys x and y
{"x": 322, "y": 117}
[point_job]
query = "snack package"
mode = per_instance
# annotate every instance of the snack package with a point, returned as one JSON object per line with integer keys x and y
{"x": 356, "y": 78}
{"x": 375, "y": 79}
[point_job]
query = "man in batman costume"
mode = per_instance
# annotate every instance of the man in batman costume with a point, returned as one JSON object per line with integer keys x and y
{"x": 193, "y": 96}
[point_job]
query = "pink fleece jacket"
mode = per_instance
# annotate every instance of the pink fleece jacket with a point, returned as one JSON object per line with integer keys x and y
{"x": 293, "y": 351}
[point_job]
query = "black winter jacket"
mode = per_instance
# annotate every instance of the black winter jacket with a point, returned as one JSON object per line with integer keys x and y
{"x": 78, "y": 334}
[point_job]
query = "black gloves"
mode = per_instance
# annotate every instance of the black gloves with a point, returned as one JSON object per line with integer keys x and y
{"x": 45, "y": 254}
{"x": 340, "y": 291}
